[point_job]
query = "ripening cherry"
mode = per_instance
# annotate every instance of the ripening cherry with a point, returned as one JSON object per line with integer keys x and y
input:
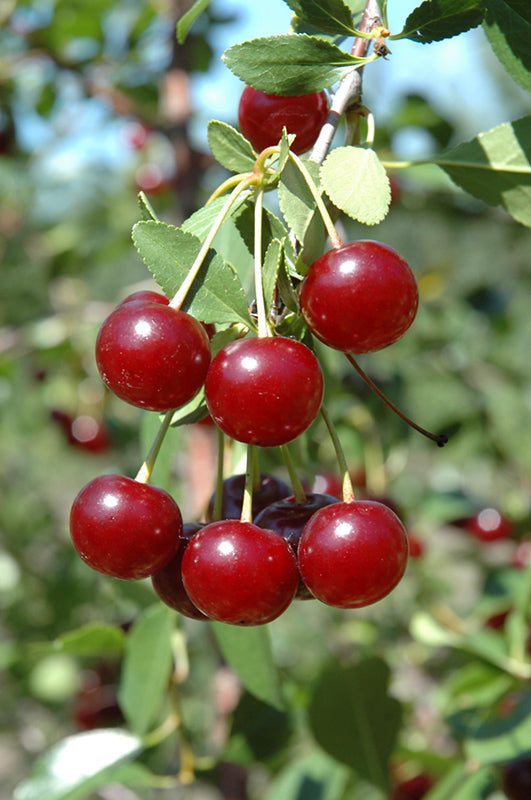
{"x": 263, "y": 116}
{"x": 516, "y": 779}
{"x": 152, "y": 355}
{"x": 359, "y": 297}
{"x": 353, "y": 554}
{"x": 123, "y": 528}
{"x": 264, "y": 391}
{"x": 269, "y": 490}
{"x": 238, "y": 573}
{"x": 168, "y": 582}
{"x": 414, "y": 788}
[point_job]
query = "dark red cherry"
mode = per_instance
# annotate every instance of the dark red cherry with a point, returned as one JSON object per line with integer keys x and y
{"x": 288, "y": 518}
{"x": 124, "y": 528}
{"x": 96, "y": 704}
{"x": 146, "y": 296}
{"x": 264, "y": 391}
{"x": 270, "y": 490}
{"x": 328, "y": 483}
{"x": 168, "y": 582}
{"x": 360, "y": 297}
{"x": 238, "y": 573}
{"x": 263, "y": 116}
{"x": 152, "y": 355}
{"x": 416, "y": 546}
{"x": 414, "y": 788}
{"x": 83, "y": 432}
{"x": 353, "y": 554}
{"x": 489, "y": 525}
{"x": 516, "y": 779}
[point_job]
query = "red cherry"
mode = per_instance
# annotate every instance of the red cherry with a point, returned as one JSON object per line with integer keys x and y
{"x": 416, "y": 546}
{"x": 263, "y": 116}
{"x": 353, "y": 554}
{"x": 152, "y": 355}
{"x": 360, "y": 297}
{"x": 413, "y": 789}
{"x": 328, "y": 483}
{"x": 96, "y": 704}
{"x": 168, "y": 582}
{"x": 146, "y": 296}
{"x": 264, "y": 391}
{"x": 124, "y": 528}
{"x": 516, "y": 779}
{"x": 83, "y": 432}
{"x": 238, "y": 573}
{"x": 522, "y": 554}
{"x": 288, "y": 518}
{"x": 270, "y": 490}
{"x": 488, "y": 525}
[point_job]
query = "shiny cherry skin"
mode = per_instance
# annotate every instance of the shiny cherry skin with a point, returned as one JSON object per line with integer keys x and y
{"x": 353, "y": 554}
{"x": 263, "y": 116}
{"x": 288, "y": 518}
{"x": 414, "y": 788}
{"x": 359, "y": 297}
{"x": 168, "y": 582}
{"x": 489, "y": 525}
{"x": 124, "y": 528}
{"x": 146, "y": 296}
{"x": 264, "y": 391}
{"x": 269, "y": 491}
{"x": 516, "y": 779}
{"x": 152, "y": 356}
{"x": 238, "y": 573}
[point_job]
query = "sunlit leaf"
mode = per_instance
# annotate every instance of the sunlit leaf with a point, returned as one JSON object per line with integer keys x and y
{"x": 509, "y": 34}
{"x": 357, "y": 183}
{"x": 434, "y": 20}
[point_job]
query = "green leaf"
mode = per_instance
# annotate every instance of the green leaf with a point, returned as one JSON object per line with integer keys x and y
{"x": 290, "y": 64}
{"x": 201, "y": 221}
{"x": 188, "y": 19}
{"x": 270, "y": 270}
{"x": 354, "y": 720}
{"x": 230, "y": 148}
{"x": 146, "y": 210}
{"x": 169, "y": 252}
{"x": 91, "y": 640}
{"x": 509, "y": 34}
{"x": 146, "y": 668}
{"x": 434, "y": 20}
{"x": 356, "y": 182}
{"x": 313, "y": 775}
{"x": 258, "y": 731}
{"x": 521, "y": 7}
{"x": 78, "y": 765}
{"x": 296, "y": 201}
{"x": 501, "y": 740}
{"x": 194, "y": 411}
{"x": 248, "y": 652}
{"x": 496, "y": 168}
{"x": 329, "y": 16}
{"x": 459, "y": 784}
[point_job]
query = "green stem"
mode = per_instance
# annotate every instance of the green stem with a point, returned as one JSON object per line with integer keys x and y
{"x": 144, "y": 473}
{"x": 347, "y": 490}
{"x": 228, "y": 184}
{"x": 441, "y": 439}
{"x": 218, "y": 496}
{"x": 263, "y": 329}
{"x": 247, "y": 505}
{"x": 327, "y": 220}
{"x": 185, "y": 286}
{"x": 298, "y": 491}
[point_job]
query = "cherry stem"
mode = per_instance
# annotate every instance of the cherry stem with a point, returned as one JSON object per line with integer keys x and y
{"x": 327, "y": 219}
{"x": 184, "y": 288}
{"x": 441, "y": 439}
{"x": 144, "y": 473}
{"x": 218, "y": 496}
{"x": 263, "y": 329}
{"x": 247, "y": 505}
{"x": 298, "y": 490}
{"x": 347, "y": 490}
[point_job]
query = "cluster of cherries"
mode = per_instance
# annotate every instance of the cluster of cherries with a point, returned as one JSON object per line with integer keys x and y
{"x": 259, "y": 390}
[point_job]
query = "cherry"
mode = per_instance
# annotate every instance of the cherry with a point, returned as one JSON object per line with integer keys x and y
{"x": 488, "y": 525}
{"x": 414, "y": 788}
{"x": 263, "y": 116}
{"x": 146, "y": 296}
{"x": 516, "y": 779}
{"x": 168, "y": 582}
{"x": 327, "y": 483}
{"x": 359, "y": 297}
{"x": 288, "y": 518}
{"x": 152, "y": 356}
{"x": 522, "y": 554}
{"x": 124, "y": 528}
{"x": 238, "y": 573}
{"x": 270, "y": 490}
{"x": 353, "y": 554}
{"x": 96, "y": 704}
{"x": 416, "y": 546}
{"x": 83, "y": 432}
{"x": 264, "y": 391}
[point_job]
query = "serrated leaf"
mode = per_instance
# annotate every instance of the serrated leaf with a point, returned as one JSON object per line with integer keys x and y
{"x": 435, "y": 20}
{"x": 146, "y": 668}
{"x": 296, "y": 201}
{"x": 216, "y": 294}
{"x": 290, "y": 64}
{"x": 521, "y": 7}
{"x": 78, "y": 765}
{"x": 354, "y": 719}
{"x": 248, "y": 652}
{"x": 230, "y": 148}
{"x": 200, "y": 222}
{"x": 329, "y": 16}
{"x": 270, "y": 269}
{"x": 496, "y": 167}
{"x": 356, "y": 182}
{"x": 146, "y": 210}
{"x": 91, "y": 640}
{"x": 287, "y": 293}
{"x": 194, "y": 411}
{"x": 500, "y": 740}
{"x": 188, "y": 19}
{"x": 509, "y": 34}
